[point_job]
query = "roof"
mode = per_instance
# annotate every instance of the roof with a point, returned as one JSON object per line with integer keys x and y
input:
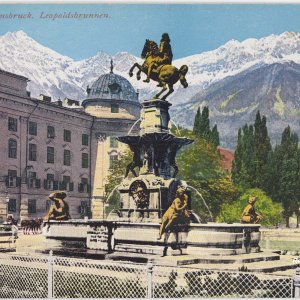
{"x": 14, "y": 75}
{"x": 112, "y": 87}
{"x": 226, "y": 158}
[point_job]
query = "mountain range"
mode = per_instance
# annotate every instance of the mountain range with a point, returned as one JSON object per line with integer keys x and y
{"x": 234, "y": 80}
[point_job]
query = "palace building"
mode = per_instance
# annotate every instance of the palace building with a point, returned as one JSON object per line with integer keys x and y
{"x": 51, "y": 145}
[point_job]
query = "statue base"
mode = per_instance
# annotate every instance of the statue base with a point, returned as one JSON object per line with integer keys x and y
{"x": 155, "y": 116}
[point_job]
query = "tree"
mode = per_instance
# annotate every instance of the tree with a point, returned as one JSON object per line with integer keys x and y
{"x": 197, "y": 122}
{"x": 202, "y": 129}
{"x": 116, "y": 174}
{"x": 287, "y": 191}
{"x": 215, "y": 139}
{"x": 251, "y": 155}
{"x": 262, "y": 148}
{"x": 199, "y": 161}
{"x": 271, "y": 211}
{"x": 214, "y": 192}
{"x": 199, "y": 165}
{"x": 243, "y": 164}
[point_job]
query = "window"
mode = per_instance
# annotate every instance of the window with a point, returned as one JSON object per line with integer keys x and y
{"x": 50, "y": 132}
{"x": 12, "y": 205}
{"x": 31, "y": 206}
{"x": 113, "y": 142}
{"x": 48, "y": 205}
{"x": 67, "y": 157}
{"x": 66, "y": 184}
{"x": 32, "y": 129}
{"x": 48, "y": 185}
{"x": 67, "y": 135}
{"x": 112, "y": 160}
{"x": 12, "y": 148}
{"x": 50, "y": 155}
{"x": 31, "y": 179}
{"x": 85, "y": 160}
{"x": 12, "y": 124}
{"x": 83, "y": 186}
{"x": 85, "y": 139}
{"x": 114, "y": 108}
{"x": 32, "y": 152}
{"x": 12, "y": 175}
{"x": 83, "y": 208}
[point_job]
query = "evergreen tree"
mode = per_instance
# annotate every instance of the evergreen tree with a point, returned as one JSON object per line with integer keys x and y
{"x": 202, "y": 129}
{"x": 197, "y": 122}
{"x": 237, "y": 162}
{"x": 243, "y": 165}
{"x": 215, "y": 139}
{"x": 288, "y": 189}
{"x": 252, "y": 154}
{"x": 248, "y": 165}
{"x": 262, "y": 147}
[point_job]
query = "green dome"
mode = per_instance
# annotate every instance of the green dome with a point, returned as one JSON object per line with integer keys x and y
{"x": 114, "y": 87}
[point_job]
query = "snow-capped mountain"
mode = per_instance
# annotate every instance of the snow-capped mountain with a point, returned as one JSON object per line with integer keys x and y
{"x": 235, "y": 57}
{"x": 61, "y": 76}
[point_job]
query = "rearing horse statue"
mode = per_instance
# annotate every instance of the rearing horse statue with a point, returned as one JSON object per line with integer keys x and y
{"x": 164, "y": 74}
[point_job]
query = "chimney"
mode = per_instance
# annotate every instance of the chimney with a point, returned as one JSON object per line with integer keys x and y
{"x": 45, "y": 98}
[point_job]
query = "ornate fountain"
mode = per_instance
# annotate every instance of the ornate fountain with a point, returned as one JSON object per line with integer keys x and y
{"x": 145, "y": 197}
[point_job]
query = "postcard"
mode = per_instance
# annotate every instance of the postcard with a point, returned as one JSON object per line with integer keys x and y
{"x": 149, "y": 150}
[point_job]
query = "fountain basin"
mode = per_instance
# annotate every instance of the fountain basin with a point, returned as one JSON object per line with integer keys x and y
{"x": 135, "y": 237}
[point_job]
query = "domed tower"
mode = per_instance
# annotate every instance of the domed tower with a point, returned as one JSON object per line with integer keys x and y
{"x": 114, "y": 104}
{"x": 112, "y": 96}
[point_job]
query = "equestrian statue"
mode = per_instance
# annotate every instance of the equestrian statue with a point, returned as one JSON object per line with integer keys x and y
{"x": 158, "y": 66}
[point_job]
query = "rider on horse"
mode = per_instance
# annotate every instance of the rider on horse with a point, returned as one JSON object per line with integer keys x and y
{"x": 162, "y": 57}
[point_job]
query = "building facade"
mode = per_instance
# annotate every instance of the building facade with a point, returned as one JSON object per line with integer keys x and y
{"x": 61, "y": 145}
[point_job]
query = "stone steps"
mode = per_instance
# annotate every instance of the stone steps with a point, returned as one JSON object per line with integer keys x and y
{"x": 182, "y": 260}
{"x": 230, "y": 259}
{"x": 264, "y": 262}
{"x": 277, "y": 267}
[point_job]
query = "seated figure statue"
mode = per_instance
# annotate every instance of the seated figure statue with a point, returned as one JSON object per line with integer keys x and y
{"x": 177, "y": 213}
{"x": 59, "y": 210}
{"x": 249, "y": 215}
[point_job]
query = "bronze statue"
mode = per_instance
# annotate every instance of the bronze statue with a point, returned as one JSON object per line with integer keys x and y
{"x": 249, "y": 215}
{"x": 177, "y": 213}
{"x": 164, "y": 57}
{"x": 136, "y": 162}
{"x": 59, "y": 210}
{"x": 157, "y": 66}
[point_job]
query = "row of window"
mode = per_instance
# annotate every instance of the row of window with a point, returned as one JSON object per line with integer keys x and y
{"x": 32, "y": 155}
{"x": 32, "y": 129}
{"x": 12, "y": 206}
{"x": 49, "y": 183}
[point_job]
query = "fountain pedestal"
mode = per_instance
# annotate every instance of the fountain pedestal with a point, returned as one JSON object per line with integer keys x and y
{"x": 155, "y": 116}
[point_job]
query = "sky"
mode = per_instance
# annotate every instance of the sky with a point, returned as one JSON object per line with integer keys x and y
{"x": 192, "y": 28}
